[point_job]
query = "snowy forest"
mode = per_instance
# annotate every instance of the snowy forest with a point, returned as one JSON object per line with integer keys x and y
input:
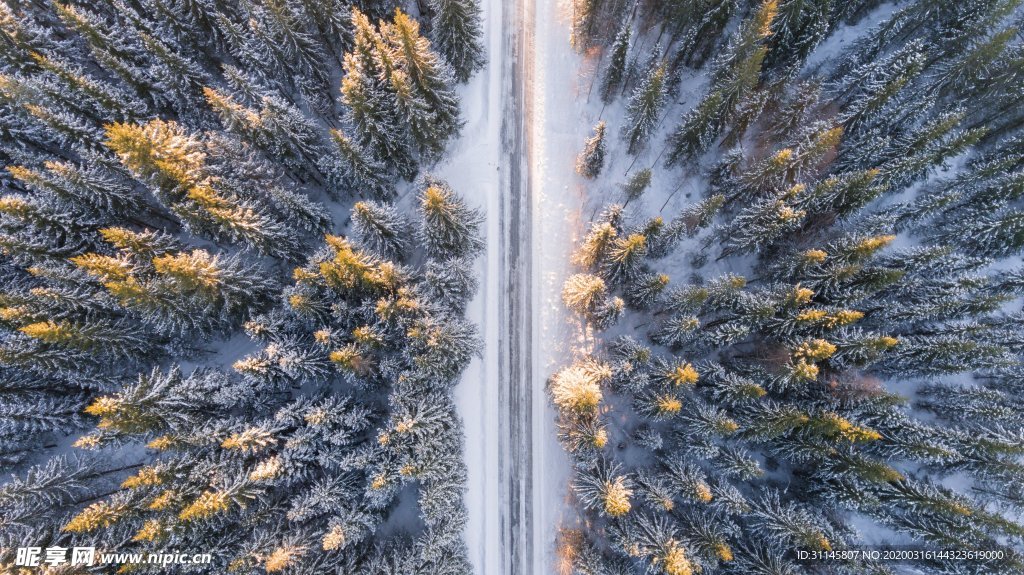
{"x": 231, "y": 292}
{"x": 820, "y": 348}
{"x": 308, "y": 286}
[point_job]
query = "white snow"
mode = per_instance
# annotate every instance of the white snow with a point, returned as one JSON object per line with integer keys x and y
{"x": 830, "y": 51}
{"x": 472, "y": 171}
{"x": 558, "y": 127}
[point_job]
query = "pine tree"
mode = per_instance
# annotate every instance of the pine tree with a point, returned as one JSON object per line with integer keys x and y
{"x": 585, "y": 16}
{"x": 92, "y": 97}
{"x": 23, "y": 37}
{"x": 161, "y": 153}
{"x": 179, "y": 169}
{"x": 430, "y": 80}
{"x": 605, "y": 489}
{"x": 591, "y": 160}
{"x": 645, "y": 291}
{"x": 94, "y": 186}
{"x": 799, "y": 27}
{"x": 371, "y": 102}
{"x": 381, "y": 229}
{"x": 594, "y": 249}
{"x": 615, "y": 73}
{"x": 448, "y": 227}
{"x": 452, "y": 282}
{"x": 457, "y": 32}
{"x": 787, "y": 523}
{"x": 226, "y": 217}
{"x": 577, "y": 388}
{"x": 157, "y": 403}
{"x": 637, "y": 184}
{"x": 112, "y": 47}
{"x": 177, "y": 292}
{"x": 846, "y": 193}
{"x": 697, "y": 131}
{"x": 736, "y": 72}
{"x": 966, "y": 72}
{"x": 583, "y": 293}
{"x": 995, "y": 235}
{"x": 645, "y": 106}
{"x": 625, "y": 260}
{"x": 103, "y": 339}
{"x": 277, "y": 127}
{"x": 654, "y": 538}
{"x": 873, "y": 86}
{"x": 365, "y": 171}
{"x": 764, "y": 223}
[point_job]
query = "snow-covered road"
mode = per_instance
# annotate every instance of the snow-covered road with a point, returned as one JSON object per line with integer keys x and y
{"x": 516, "y": 310}
{"x": 515, "y": 161}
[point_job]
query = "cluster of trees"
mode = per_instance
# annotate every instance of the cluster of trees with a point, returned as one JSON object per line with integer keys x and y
{"x": 169, "y": 167}
{"x": 833, "y": 328}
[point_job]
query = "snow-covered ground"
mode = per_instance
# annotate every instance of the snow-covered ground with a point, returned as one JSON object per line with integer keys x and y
{"x": 557, "y": 127}
{"x": 472, "y": 170}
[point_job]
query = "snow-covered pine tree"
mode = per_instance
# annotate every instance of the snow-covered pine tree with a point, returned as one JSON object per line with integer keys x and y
{"x": 645, "y": 105}
{"x": 449, "y": 228}
{"x": 382, "y": 229}
{"x": 457, "y": 32}
{"x": 615, "y": 73}
{"x": 371, "y": 102}
{"x": 429, "y": 80}
{"x": 591, "y": 160}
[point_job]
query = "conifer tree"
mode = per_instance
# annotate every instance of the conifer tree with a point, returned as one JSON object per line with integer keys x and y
{"x": 582, "y": 293}
{"x": 642, "y": 293}
{"x": 371, "y": 102}
{"x": 457, "y": 32}
{"x": 605, "y": 489}
{"x": 365, "y": 170}
{"x": 736, "y": 72}
{"x": 615, "y": 73}
{"x": 382, "y": 229}
{"x": 591, "y": 160}
{"x": 637, "y": 184}
{"x": 585, "y": 14}
{"x": 870, "y": 88}
{"x": 763, "y": 223}
{"x": 645, "y": 106}
{"x": 429, "y": 79}
{"x": 799, "y": 27}
{"x": 577, "y": 388}
{"x": 697, "y": 131}
{"x": 452, "y": 281}
{"x": 449, "y": 228}
{"x": 626, "y": 258}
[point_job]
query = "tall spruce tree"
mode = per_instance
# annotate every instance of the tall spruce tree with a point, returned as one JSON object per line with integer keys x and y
{"x": 457, "y": 31}
{"x": 591, "y": 160}
{"x": 645, "y": 106}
